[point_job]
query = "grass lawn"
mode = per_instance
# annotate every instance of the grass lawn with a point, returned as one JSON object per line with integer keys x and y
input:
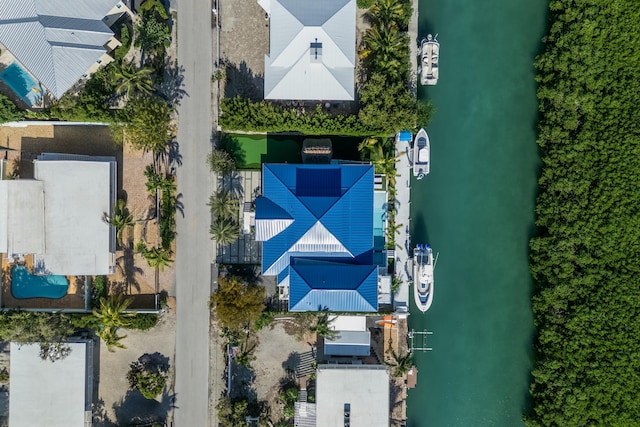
{"x": 250, "y": 151}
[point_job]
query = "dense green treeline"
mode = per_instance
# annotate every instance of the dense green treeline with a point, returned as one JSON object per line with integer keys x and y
{"x": 586, "y": 258}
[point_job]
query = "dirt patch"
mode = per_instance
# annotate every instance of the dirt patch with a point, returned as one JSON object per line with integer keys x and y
{"x": 116, "y": 404}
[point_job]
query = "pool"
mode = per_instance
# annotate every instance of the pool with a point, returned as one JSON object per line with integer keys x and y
{"x": 22, "y": 83}
{"x": 379, "y": 220}
{"x": 26, "y": 285}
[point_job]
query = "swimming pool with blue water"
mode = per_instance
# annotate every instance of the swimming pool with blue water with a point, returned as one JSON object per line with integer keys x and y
{"x": 22, "y": 83}
{"x": 26, "y": 285}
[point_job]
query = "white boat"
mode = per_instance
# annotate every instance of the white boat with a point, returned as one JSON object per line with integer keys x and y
{"x": 429, "y": 55}
{"x": 423, "y": 276}
{"x": 421, "y": 154}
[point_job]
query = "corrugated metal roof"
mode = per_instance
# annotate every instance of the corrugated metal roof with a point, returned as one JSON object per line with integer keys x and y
{"x": 338, "y": 287}
{"x": 56, "y": 40}
{"x": 290, "y": 70}
{"x": 348, "y": 343}
{"x": 327, "y": 251}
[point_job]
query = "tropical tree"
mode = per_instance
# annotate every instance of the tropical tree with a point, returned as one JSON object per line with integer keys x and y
{"x": 400, "y": 364}
{"x": 223, "y": 205}
{"x": 224, "y": 231}
{"x": 155, "y": 257}
{"x": 147, "y": 376}
{"x": 391, "y": 12}
{"x": 120, "y": 219}
{"x": 111, "y": 312}
{"x": 132, "y": 80}
{"x": 148, "y": 123}
{"x": 386, "y": 48}
{"x": 152, "y": 34}
{"x": 237, "y": 304}
{"x": 111, "y": 316}
{"x": 8, "y": 110}
{"x": 221, "y": 162}
{"x": 322, "y": 326}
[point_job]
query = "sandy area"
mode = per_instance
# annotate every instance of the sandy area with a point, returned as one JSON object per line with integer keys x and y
{"x": 116, "y": 404}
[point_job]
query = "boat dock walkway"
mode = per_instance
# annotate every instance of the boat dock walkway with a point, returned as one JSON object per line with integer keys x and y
{"x": 403, "y": 250}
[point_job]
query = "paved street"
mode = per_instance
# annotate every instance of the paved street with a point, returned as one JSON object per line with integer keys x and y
{"x": 194, "y": 247}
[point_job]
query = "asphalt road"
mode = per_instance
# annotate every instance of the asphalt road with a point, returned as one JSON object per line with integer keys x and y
{"x": 194, "y": 248}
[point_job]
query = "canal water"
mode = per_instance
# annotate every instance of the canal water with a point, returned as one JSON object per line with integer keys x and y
{"x": 476, "y": 209}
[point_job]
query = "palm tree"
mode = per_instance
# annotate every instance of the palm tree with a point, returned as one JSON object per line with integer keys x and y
{"x": 120, "y": 219}
{"x": 322, "y": 326}
{"x": 111, "y": 312}
{"x": 400, "y": 364}
{"x": 224, "y": 231}
{"x": 391, "y": 11}
{"x": 132, "y": 80}
{"x": 384, "y": 42}
{"x": 156, "y": 257}
{"x": 223, "y": 205}
{"x": 111, "y": 338}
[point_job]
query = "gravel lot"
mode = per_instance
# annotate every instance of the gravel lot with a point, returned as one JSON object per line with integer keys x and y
{"x": 116, "y": 404}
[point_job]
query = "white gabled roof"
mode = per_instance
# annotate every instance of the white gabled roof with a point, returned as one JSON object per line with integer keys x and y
{"x": 291, "y": 69}
{"x": 56, "y": 40}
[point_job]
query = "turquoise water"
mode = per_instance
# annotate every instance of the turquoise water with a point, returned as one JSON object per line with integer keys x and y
{"x": 26, "y": 285}
{"x": 22, "y": 83}
{"x": 476, "y": 209}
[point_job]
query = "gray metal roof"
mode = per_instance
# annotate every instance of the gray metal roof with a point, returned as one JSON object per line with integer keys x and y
{"x": 292, "y": 70}
{"x": 56, "y": 40}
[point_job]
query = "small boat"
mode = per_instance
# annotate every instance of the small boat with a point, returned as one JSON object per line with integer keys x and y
{"x": 423, "y": 266}
{"x": 429, "y": 54}
{"x": 421, "y": 154}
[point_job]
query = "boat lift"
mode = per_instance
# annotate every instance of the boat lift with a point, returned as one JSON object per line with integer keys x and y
{"x": 418, "y": 340}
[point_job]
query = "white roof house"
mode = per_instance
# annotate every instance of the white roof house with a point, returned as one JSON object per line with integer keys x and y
{"x": 352, "y": 337}
{"x": 59, "y": 217}
{"x": 21, "y": 216}
{"x": 358, "y": 394}
{"x": 58, "y": 41}
{"x": 55, "y": 394}
{"x": 312, "y": 49}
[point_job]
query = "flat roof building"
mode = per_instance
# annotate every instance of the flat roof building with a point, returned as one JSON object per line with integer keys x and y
{"x": 55, "y": 394}
{"x": 358, "y": 394}
{"x": 59, "y": 216}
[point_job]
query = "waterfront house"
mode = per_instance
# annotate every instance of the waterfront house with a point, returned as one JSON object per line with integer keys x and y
{"x": 312, "y": 49}
{"x": 57, "y": 41}
{"x": 316, "y": 225}
{"x": 347, "y": 395}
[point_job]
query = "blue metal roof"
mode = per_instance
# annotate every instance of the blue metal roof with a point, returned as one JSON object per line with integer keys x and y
{"x": 332, "y": 211}
{"x": 336, "y": 287}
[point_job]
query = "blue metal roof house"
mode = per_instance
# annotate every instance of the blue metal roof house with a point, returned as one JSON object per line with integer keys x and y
{"x": 316, "y": 225}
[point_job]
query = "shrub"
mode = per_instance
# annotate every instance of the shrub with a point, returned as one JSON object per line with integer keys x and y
{"x": 365, "y": 4}
{"x": 146, "y": 377}
{"x": 8, "y": 110}
{"x": 143, "y": 321}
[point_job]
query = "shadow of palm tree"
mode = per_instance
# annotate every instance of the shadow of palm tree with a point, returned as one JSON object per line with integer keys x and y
{"x": 242, "y": 82}
{"x": 233, "y": 183}
{"x": 172, "y": 85}
{"x": 126, "y": 265}
{"x": 135, "y": 409}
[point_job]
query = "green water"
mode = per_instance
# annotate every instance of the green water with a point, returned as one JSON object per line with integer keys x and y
{"x": 476, "y": 209}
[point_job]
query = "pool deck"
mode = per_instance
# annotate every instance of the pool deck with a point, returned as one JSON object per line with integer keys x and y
{"x": 404, "y": 262}
{"x": 73, "y": 300}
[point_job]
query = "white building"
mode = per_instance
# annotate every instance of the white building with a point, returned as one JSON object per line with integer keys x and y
{"x": 312, "y": 49}
{"x": 55, "y": 394}
{"x": 353, "y": 395}
{"x": 58, "y": 216}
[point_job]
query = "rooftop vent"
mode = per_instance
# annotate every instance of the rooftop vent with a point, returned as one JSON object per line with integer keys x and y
{"x": 316, "y": 51}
